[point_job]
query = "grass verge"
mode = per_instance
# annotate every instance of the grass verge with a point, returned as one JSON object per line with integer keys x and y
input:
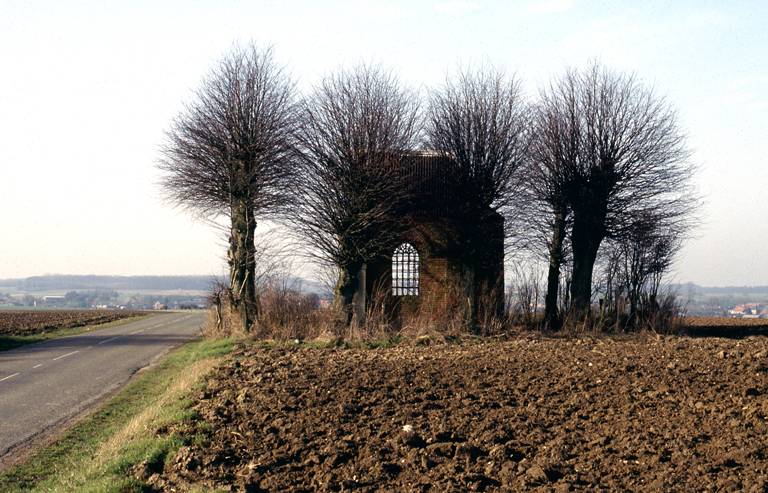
{"x": 96, "y": 455}
{"x": 11, "y": 342}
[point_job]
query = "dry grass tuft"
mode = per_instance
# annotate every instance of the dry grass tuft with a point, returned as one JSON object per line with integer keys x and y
{"x": 141, "y": 425}
{"x": 288, "y": 315}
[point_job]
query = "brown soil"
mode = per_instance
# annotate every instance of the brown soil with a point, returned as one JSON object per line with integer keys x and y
{"x": 530, "y": 414}
{"x": 725, "y": 326}
{"x": 732, "y": 322}
{"x": 31, "y": 322}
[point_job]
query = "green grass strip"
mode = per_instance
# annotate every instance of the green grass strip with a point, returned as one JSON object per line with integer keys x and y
{"x": 96, "y": 455}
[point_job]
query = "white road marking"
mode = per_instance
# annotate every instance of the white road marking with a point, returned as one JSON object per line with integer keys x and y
{"x": 64, "y": 356}
{"x": 102, "y": 342}
{"x": 9, "y": 376}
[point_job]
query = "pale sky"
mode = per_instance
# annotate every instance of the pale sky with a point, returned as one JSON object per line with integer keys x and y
{"x": 87, "y": 89}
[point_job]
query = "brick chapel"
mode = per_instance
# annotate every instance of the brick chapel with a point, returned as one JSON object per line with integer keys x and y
{"x": 425, "y": 264}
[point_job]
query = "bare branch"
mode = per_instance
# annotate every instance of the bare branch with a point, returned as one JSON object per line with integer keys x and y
{"x": 357, "y": 127}
{"x": 479, "y": 119}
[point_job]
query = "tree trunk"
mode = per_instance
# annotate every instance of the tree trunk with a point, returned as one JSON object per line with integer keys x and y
{"x": 344, "y": 293}
{"x": 553, "y": 277}
{"x": 586, "y": 238}
{"x": 470, "y": 291}
{"x": 242, "y": 263}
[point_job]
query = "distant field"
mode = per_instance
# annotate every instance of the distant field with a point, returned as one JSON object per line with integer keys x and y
{"x": 11, "y": 308}
{"x": 31, "y": 322}
{"x": 725, "y": 322}
{"x": 726, "y": 327}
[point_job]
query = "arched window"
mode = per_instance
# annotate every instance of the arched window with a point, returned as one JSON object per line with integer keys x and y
{"x": 405, "y": 271}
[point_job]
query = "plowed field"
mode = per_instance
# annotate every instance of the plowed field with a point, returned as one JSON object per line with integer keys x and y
{"x": 31, "y": 322}
{"x": 529, "y": 414}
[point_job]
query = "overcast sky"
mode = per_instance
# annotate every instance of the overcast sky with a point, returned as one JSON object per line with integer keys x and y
{"x": 88, "y": 88}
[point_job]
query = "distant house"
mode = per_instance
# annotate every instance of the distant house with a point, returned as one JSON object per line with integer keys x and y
{"x": 747, "y": 310}
{"x": 54, "y": 300}
{"x": 324, "y": 304}
{"x": 193, "y": 305}
{"x": 160, "y": 306}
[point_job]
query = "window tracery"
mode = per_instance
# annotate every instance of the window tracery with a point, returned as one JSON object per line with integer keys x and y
{"x": 405, "y": 271}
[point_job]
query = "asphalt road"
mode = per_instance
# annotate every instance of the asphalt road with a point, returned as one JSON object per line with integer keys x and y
{"x": 47, "y": 384}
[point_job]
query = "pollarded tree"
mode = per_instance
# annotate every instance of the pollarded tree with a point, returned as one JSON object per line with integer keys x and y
{"x": 618, "y": 155}
{"x": 356, "y": 127}
{"x": 479, "y": 119}
{"x": 554, "y": 151}
{"x": 229, "y": 154}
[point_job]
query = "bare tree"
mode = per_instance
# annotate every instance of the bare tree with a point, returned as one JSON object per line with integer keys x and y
{"x": 228, "y": 154}
{"x": 553, "y": 152}
{"x": 357, "y": 127}
{"x": 613, "y": 153}
{"x": 643, "y": 256}
{"x": 478, "y": 119}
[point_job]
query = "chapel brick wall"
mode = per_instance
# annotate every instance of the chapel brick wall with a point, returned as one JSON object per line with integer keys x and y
{"x": 426, "y": 225}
